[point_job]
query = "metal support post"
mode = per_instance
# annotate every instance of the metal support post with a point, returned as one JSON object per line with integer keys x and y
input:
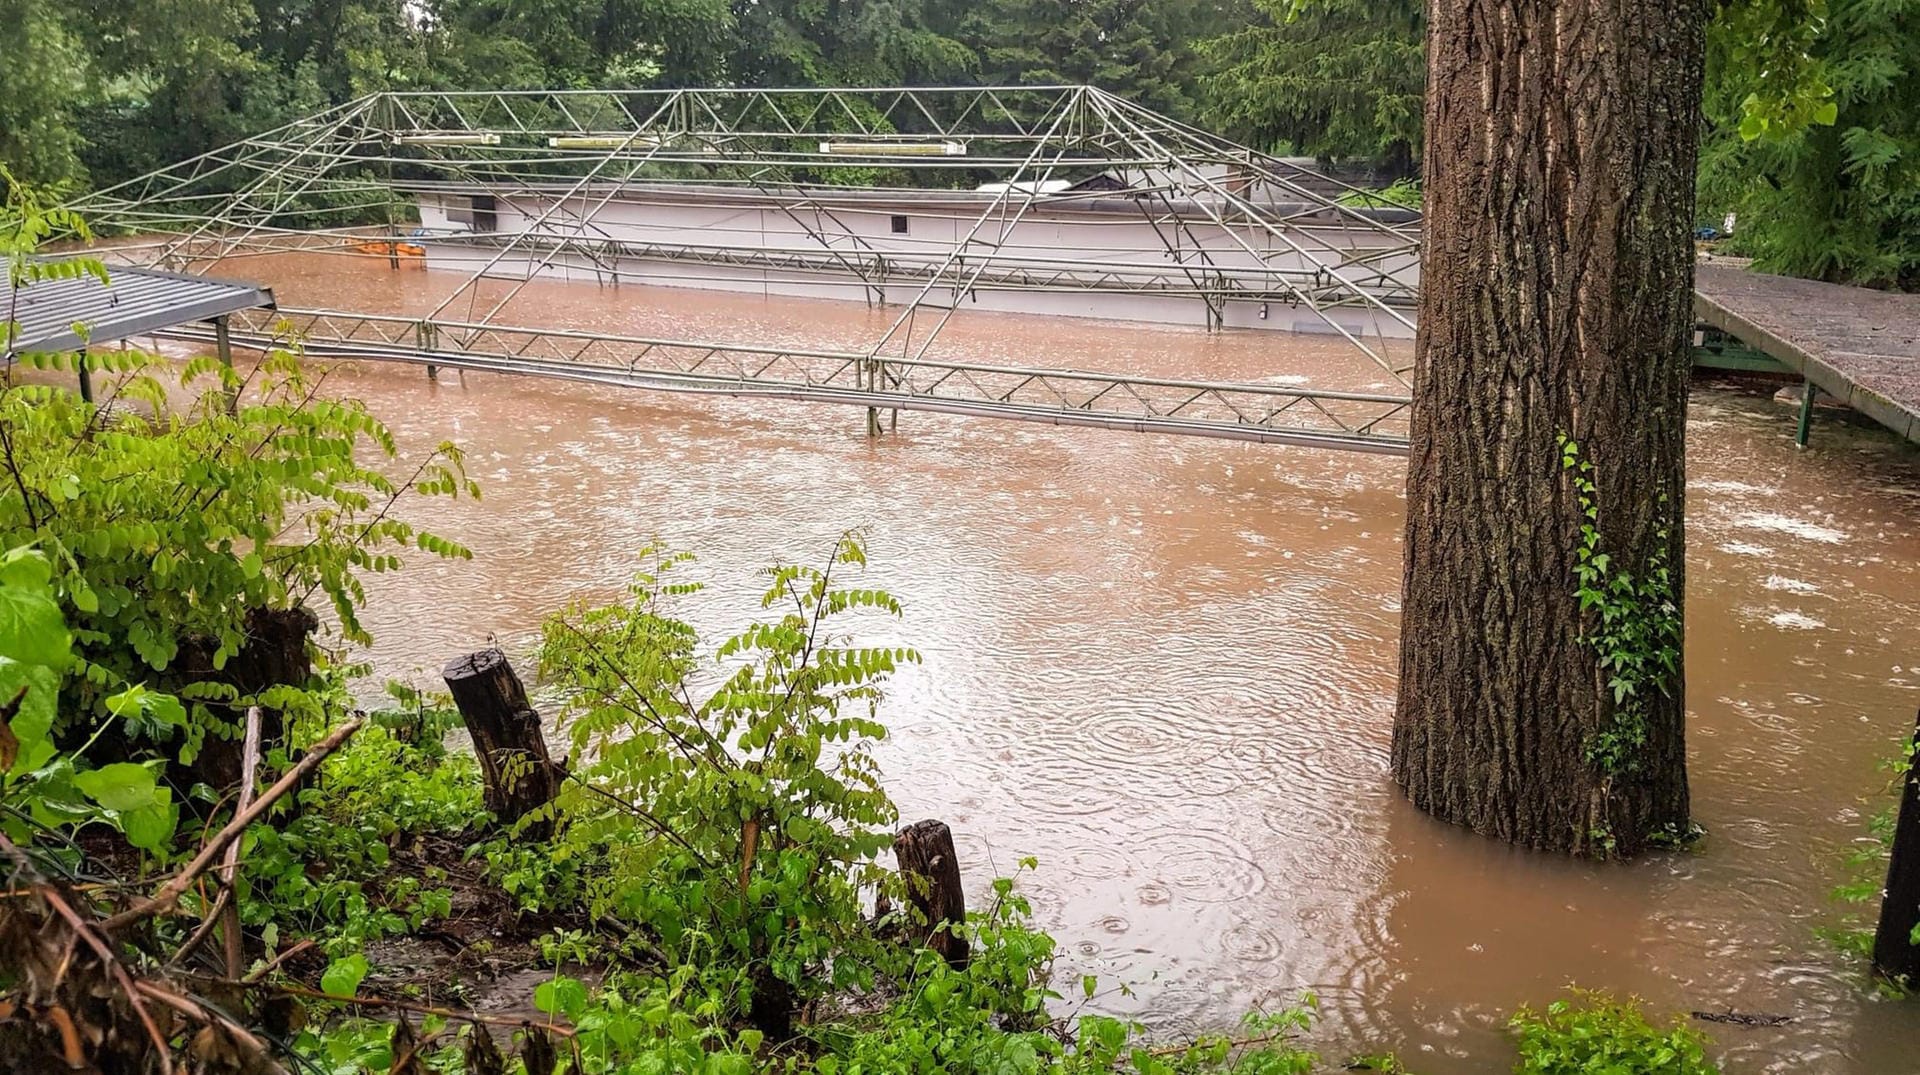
{"x": 223, "y": 346}
{"x": 426, "y": 337}
{"x": 1808, "y": 393}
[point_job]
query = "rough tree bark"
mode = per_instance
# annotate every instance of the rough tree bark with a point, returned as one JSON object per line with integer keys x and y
{"x": 931, "y": 870}
{"x": 518, "y": 773}
{"x": 1894, "y": 953}
{"x": 276, "y": 653}
{"x": 1556, "y": 282}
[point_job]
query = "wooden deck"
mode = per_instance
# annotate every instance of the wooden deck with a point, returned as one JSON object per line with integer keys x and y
{"x": 1857, "y": 345}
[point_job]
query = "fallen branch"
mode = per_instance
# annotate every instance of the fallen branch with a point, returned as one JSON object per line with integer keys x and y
{"x": 224, "y": 913}
{"x": 210, "y": 1016}
{"x": 226, "y": 910}
{"x": 515, "y": 1022}
{"x": 171, "y": 892}
{"x": 273, "y": 964}
{"x": 1743, "y": 1018}
{"x": 215, "y": 914}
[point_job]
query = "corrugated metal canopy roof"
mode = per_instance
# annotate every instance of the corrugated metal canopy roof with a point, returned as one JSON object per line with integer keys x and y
{"x": 133, "y": 302}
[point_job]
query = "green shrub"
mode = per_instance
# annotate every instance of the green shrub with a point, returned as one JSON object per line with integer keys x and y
{"x": 1592, "y": 1033}
{"x": 325, "y": 871}
{"x": 1866, "y": 872}
{"x": 185, "y": 500}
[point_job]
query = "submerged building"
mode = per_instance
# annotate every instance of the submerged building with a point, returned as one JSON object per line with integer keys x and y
{"x": 1102, "y": 246}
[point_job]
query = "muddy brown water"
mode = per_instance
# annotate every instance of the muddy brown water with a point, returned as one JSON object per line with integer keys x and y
{"x": 1165, "y": 667}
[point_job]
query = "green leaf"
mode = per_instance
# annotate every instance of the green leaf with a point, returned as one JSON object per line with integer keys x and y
{"x": 149, "y": 828}
{"x": 32, "y": 628}
{"x": 561, "y": 996}
{"x": 33, "y": 720}
{"x": 121, "y": 787}
{"x": 344, "y": 975}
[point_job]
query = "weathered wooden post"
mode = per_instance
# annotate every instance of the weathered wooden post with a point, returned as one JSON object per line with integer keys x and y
{"x": 520, "y": 776}
{"x": 223, "y": 346}
{"x": 1894, "y": 953}
{"x": 932, "y": 874}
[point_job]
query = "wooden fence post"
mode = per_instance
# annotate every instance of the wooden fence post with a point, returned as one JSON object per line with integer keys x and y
{"x": 932, "y": 874}
{"x": 1894, "y": 953}
{"x": 520, "y": 776}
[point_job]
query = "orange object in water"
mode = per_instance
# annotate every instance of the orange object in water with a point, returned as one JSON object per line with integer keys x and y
{"x": 390, "y": 248}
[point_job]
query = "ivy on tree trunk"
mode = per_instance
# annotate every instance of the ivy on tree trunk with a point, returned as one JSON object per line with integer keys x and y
{"x": 1556, "y": 301}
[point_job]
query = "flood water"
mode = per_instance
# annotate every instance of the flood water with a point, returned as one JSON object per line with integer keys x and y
{"x": 1165, "y": 667}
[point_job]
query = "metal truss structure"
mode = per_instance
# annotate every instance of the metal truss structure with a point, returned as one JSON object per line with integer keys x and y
{"x": 1266, "y": 414}
{"x": 1232, "y": 225}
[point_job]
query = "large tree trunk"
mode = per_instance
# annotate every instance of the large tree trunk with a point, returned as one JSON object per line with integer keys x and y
{"x": 1556, "y": 299}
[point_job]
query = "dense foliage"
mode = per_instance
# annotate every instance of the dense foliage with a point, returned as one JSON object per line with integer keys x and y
{"x": 1812, "y": 138}
{"x": 157, "y": 537}
{"x": 1590, "y": 1033}
{"x": 182, "y": 505}
{"x": 97, "y": 92}
{"x": 1142, "y": 49}
{"x": 1336, "y": 79}
{"x": 1837, "y": 198}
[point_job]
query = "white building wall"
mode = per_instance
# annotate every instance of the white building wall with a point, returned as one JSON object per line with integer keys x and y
{"x": 1043, "y": 240}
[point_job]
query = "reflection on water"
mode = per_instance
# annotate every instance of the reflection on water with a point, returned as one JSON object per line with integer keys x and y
{"x": 1165, "y": 667}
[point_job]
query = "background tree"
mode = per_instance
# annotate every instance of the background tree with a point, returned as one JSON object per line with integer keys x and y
{"x": 1541, "y": 695}
{"x": 45, "y": 73}
{"x": 1141, "y": 49}
{"x": 1337, "y": 79}
{"x": 1837, "y": 195}
{"x": 845, "y": 43}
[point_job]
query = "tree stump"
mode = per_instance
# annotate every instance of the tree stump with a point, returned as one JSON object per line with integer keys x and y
{"x": 520, "y": 776}
{"x": 275, "y": 654}
{"x": 931, "y": 870}
{"x": 1894, "y": 953}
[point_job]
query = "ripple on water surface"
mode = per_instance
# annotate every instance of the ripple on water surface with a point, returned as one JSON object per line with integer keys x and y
{"x": 1166, "y": 670}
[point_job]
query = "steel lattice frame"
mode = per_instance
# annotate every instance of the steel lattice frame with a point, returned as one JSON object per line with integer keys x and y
{"x": 567, "y": 154}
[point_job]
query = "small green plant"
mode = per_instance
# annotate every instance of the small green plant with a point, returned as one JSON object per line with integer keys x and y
{"x": 1866, "y": 870}
{"x": 325, "y": 872}
{"x": 1402, "y": 194}
{"x": 43, "y": 789}
{"x": 1593, "y": 1033}
{"x": 1635, "y": 631}
{"x": 739, "y": 828}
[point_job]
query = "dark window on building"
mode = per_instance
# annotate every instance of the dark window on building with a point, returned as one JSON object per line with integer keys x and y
{"x": 899, "y": 225}
{"x": 484, "y": 219}
{"x": 477, "y": 213}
